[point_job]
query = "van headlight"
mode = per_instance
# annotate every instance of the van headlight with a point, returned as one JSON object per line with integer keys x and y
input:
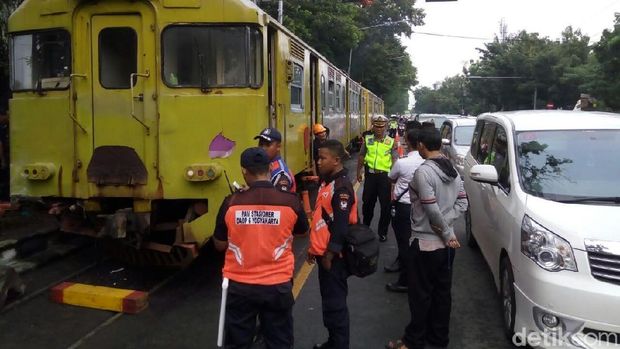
{"x": 547, "y": 249}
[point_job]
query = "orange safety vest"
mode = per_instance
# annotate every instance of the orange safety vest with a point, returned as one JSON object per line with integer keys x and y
{"x": 319, "y": 231}
{"x": 259, "y": 244}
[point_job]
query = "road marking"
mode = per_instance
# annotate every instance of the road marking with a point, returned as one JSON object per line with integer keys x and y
{"x": 306, "y": 269}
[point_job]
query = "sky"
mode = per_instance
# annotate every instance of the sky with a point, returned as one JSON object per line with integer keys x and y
{"x": 440, "y": 57}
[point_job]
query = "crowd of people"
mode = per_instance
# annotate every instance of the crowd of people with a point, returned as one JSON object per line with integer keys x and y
{"x": 420, "y": 193}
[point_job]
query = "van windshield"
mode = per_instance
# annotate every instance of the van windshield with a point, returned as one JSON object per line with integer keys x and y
{"x": 573, "y": 165}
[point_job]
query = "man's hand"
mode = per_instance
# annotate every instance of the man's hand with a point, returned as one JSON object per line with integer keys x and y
{"x": 310, "y": 258}
{"x": 326, "y": 261}
{"x": 453, "y": 243}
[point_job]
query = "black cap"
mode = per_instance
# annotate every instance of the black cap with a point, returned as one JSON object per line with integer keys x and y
{"x": 254, "y": 157}
{"x": 270, "y": 135}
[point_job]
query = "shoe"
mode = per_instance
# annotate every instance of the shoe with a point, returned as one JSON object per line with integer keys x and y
{"x": 326, "y": 345}
{"x": 396, "y": 287}
{"x": 392, "y": 268}
{"x": 382, "y": 238}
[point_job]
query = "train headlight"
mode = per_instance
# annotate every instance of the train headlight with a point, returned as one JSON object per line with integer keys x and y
{"x": 203, "y": 172}
{"x": 38, "y": 171}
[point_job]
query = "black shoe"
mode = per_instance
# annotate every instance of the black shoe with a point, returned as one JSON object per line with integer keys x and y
{"x": 382, "y": 238}
{"x": 392, "y": 268}
{"x": 326, "y": 345}
{"x": 396, "y": 287}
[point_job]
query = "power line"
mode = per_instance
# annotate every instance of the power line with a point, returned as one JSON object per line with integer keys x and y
{"x": 453, "y": 36}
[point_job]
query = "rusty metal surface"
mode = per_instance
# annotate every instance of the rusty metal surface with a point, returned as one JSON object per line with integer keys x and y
{"x": 116, "y": 165}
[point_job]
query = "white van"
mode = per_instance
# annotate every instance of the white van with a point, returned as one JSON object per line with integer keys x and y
{"x": 544, "y": 194}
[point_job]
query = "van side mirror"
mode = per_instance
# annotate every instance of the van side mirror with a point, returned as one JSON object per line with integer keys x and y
{"x": 445, "y": 141}
{"x": 484, "y": 174}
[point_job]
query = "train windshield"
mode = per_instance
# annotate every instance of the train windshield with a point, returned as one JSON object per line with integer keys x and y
{"x": 40, "y": 60}
{"x": 212, "y": 56}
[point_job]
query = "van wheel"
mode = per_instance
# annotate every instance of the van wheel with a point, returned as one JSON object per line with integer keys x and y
{"x": 469, "y": 236}
{"x": 507, "y": 291}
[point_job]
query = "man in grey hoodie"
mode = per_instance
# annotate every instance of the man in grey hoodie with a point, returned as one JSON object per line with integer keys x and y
{"x": 438, "y": 199}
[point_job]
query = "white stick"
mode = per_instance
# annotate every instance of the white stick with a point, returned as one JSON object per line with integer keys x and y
{"x": 220, "y": 329}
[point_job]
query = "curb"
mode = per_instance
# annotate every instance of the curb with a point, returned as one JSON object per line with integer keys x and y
{"x": 100, "y": 297}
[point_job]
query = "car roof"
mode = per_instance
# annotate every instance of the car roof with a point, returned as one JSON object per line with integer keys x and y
{"x": 538, "y": 120}
{"x": 462, "y": 121}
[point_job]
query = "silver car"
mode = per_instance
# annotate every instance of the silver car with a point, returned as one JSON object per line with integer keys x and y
{"x": 456, "y": 135}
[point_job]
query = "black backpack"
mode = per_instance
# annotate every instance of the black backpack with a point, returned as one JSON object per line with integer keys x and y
{"x": 361, "y": 251}
{"x": 361, "y": 248}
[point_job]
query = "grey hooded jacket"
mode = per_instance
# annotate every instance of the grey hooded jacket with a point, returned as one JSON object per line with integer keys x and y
{"x": 437, "y": 198}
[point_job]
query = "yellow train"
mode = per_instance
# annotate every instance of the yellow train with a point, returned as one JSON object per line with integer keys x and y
{"x": 128, "y": 117}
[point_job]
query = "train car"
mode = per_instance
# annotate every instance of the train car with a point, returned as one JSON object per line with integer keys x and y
{"x": 128, "y": 117}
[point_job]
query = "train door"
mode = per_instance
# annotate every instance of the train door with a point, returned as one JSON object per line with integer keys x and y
{"x": 123, "y": 103}
{"x": 294, "y": 102}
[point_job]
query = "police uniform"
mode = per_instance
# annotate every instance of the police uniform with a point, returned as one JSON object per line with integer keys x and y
{"x": 258, "y": 225}
{"x": 378, "y": 155}
{"x": 334, "y": 211}
{"x": 281, "y": 176}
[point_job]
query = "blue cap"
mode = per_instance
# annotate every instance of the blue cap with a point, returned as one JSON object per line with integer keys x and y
{"x": 270, "y": 135}
{"x": 254, "y": 157}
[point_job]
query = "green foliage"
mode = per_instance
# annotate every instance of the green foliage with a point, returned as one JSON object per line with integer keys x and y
{"x": 6, "y": 8}
{"x": 555, "y": 72}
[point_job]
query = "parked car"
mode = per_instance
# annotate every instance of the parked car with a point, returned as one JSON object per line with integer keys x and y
{"x": 456, "y": 137}
{"x": 436, "y": 119}
{"x": 544, "y": 193}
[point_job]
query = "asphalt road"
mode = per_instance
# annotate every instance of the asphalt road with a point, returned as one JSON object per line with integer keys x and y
{"x": 183, "y": 313}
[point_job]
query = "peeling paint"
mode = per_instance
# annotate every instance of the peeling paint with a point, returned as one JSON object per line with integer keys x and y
{"x": 221, "y": 147}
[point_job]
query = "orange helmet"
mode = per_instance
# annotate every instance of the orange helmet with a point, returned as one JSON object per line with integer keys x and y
{"x": 318, "y": 128}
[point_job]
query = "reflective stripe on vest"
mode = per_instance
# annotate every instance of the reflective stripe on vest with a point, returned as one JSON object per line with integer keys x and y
{"x": 319, "y": 231}
{"x": 379, "y": 154}
{"x": 277, "y": 167}
{"x": 259, "y": 244}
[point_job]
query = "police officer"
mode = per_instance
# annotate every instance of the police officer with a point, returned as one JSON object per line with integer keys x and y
{"x": 256, "y": 228}
{"x": 377, "y": 155}
{"x": 282, "y": 178}
{"x": 335, "y": 209}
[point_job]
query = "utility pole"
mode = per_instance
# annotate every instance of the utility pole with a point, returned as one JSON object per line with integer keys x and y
{"x": 281, "y": 11}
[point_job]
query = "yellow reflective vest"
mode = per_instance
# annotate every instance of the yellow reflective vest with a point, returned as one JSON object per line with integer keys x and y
{"x": 378, "y": 153}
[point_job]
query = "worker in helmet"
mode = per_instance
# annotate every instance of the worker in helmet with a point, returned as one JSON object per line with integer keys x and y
{"x": 321, "y": 133}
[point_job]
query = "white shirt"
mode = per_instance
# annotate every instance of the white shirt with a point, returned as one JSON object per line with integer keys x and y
{"x": 402, "y": 172}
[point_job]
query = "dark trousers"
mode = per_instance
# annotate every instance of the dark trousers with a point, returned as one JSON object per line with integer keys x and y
{"x": 377, "y": 185}
{"x": 430, "y": 299}
{"x": 272, "y": 305}
{"x": 334, "y": 289}
{"x": 401, "y": 223}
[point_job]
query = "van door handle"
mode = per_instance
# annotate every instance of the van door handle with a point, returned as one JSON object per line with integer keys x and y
{"x": 291, "y": 125}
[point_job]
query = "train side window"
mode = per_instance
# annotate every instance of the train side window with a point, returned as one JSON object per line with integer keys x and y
{"x": 330, "y": 91}
{"x": 118, "y": 57}
{"x": 40, "y": 60}
{"x": 323, "y": 92}
{"x": 338, "y": 96}
{"x": 297, "y": 88}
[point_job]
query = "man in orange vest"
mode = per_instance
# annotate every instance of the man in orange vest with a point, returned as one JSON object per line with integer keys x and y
{"x": 256, "y": 228}
{"x": 335, "y": 209}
